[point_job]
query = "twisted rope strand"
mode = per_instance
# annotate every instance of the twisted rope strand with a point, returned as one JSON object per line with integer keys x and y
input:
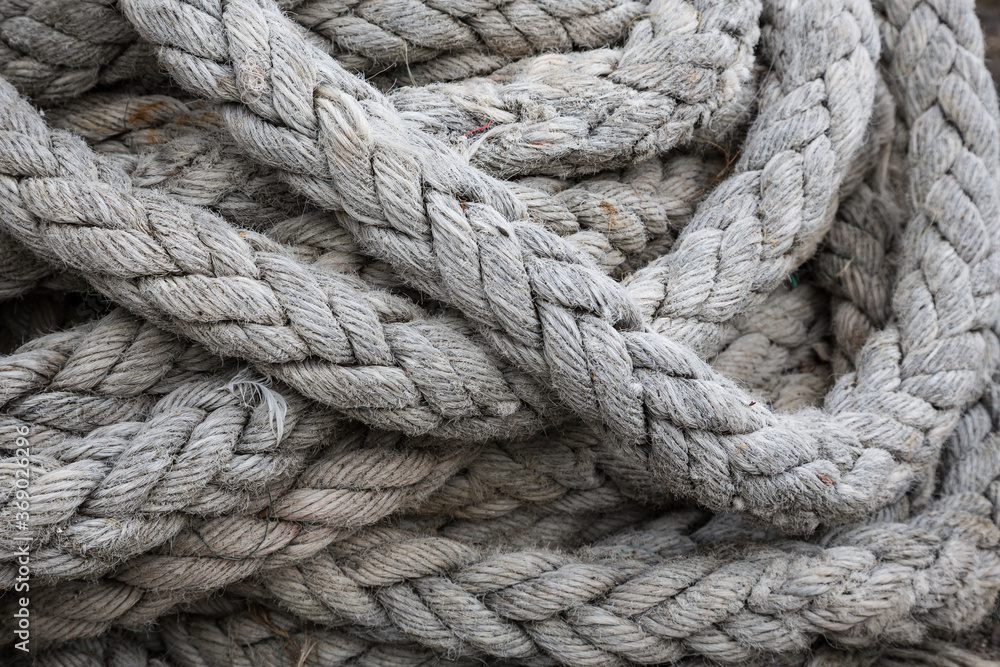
{"x": 587, "y": 399}
{"x": 56, "y": 50}
{"x": 875, "y": 477}
{"x": 503, "y": 551}
{"x": 188, "y": 158}
{"x": 311, "y": 328}
{"x": 583, "y": 112}
{"x": 458, "y": 600}
{"x": 118, "y": 368}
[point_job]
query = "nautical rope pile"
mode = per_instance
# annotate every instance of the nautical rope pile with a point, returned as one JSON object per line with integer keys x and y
{"x": 538, "y": 332}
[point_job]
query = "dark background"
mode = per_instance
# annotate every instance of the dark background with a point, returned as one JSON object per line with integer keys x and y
{"x": 989, "y": 14}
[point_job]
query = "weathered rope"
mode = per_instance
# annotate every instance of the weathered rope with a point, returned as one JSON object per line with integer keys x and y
{"x": 845, "y": 128}
{"x": 453, "y": 598}
{"x": 520, "y": 605}
{"x": 187, "y": 157}
{"x": 588, "y": 111}
{"x": 750, "y": 417}
{"x": 106, "y": 519}
{"x": 59, "y": 49}
{"x": 575, "y": 470}
{"x": 270, "y": 638}
{"x": 323, "y": 315}
{"x": 458, "y": 40}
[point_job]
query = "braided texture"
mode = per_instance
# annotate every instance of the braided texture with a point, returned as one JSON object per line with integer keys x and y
{"x": 294, "y": 305}
{"x": 519, "y": 605}
{"x": 480, "y": 221}
{"x": 514, "y": 332}
{"x": 55, "y": 50}
{"x": 540, "y": 113}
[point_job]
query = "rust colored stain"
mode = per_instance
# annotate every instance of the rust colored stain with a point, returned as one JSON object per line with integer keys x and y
{"x": 612, "y": 213}
{"x": 146, "y": 113}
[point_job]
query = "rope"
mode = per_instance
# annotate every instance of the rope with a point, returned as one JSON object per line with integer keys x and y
{"x": 525, "y": 332}
{"x": 59, "y": 50}
{"x": 481, "y": 369}
{"x": 102, "y": 373}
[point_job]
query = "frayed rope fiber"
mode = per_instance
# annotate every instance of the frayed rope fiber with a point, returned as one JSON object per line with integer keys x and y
{"x": 540, "y": 332}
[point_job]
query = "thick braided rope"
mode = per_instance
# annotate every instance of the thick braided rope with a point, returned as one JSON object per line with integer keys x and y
{"x": 532, "y": 473}
{"x": 58, "y": 49}
{"x": 960, "y": 278}
{"x": 627, "y": 215}
{"x": 21, "y": 271}
{"x": 576, "y": 519}
{"x": 192, "y": 69}
{"x": 148, "y": 587}
{"x": 587, "y": 111}
{"x": 953, "y": 166}
{"x": 776, "y": 354}
{"x": 603, "y": 217}
{"x": 268, "y": 638}
{"x": 875, "y": 538}
{"x": 102, "y": 373}
{"x": 659, "y": 191}
{"x": 201, "y": 173}
{"x": 111, "y": 496}
{"x": 873, "y": 480}
{"x": 85, "y": 489}
{"x": 144, "y": 589}
{"x": 111, "y": 650}
{"x": 191, "y": 160}
{"x": 459, "y": 39}
{"x": 130, "y": 437}
{"x": 762, "y": 222}
{"x": 881, "y": 537}
{"x": 710, "y": 602}
{"x": 323, "y": 332}
{"x": 500, "y": 481}
{"x": 233, "y": 636}
{"x": 126, "y": 488}
{"x": 55, "y": 50}
{"x": 972, "y": 455}
{"x": 692, "y": 299}
{"x": 904, "y": 627}
{"x": 856, "y": 262}
{"x": 704, "y": 78}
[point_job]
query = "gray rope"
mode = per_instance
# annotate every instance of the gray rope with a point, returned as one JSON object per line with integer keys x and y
{"x": 272, "y": 639}
{"x": 118, "y": 369}
{"x": 104, "y": 402}
{"x": 709, "y": 602}
{"x": 457, "y": 40}
{"x": 57, "y": 50}
{"x": 838, "y": 499}
{"x": 533, "y": 551}
{"x": 300, "y": 315}
{"x": 586, "y": 399}
{"x": 188, "y": 158}
{"x": 54, "y": 50}
{"x": 587, "y": 111}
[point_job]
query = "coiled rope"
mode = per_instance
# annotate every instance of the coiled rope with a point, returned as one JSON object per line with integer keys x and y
{"x": 485, "y": 368}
